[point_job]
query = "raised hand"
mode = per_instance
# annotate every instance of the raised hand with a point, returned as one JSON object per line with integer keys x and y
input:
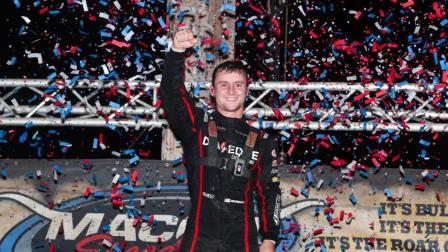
{"x": 184, "y": 39}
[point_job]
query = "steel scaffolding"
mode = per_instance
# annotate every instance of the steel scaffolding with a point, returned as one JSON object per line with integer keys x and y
{"x": 336, "y": 106}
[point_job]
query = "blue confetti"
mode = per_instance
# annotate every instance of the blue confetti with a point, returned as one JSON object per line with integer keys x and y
{"x": 444, "y": 22}
{"x": 161, "y": 22}
{"x": 95, "y": 143}
{"x": 229, "y": 7}
{"x": 424, "y": 143}
{"x": 51, "y": 76}
{"x": 134, "y": 159}
{"x": 17, "y": 3}
{"x": 352, "y": 198}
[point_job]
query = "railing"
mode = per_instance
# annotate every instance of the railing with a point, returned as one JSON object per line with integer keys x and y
{"x": 336, "y": 106}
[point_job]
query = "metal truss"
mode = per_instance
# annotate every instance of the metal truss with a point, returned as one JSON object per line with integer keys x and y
{"x": 335, "y": 106}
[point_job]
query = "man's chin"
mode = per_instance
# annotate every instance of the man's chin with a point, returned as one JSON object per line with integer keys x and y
{"x": 229, "y": 109}
{"x": 232, "y": 109}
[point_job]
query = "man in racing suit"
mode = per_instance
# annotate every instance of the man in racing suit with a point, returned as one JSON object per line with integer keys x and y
{"x": 228, "y": 162}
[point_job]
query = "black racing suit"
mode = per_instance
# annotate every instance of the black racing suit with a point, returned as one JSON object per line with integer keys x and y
{"x": 222, "y": 216}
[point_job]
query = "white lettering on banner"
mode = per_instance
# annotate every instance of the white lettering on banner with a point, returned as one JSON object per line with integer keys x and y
{"x": 181, "y": 228}
{"x": 90, "y": 223}
{"x": 145, "y": 231}
{"x": 90, "y": 220}
{"x": 128, "y": 232}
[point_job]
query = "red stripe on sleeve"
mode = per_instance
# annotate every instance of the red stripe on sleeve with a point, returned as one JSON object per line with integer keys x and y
{"x": 190, "y": 111}
{"x": 262, "y": 197}
{"x": 198, "y": 210}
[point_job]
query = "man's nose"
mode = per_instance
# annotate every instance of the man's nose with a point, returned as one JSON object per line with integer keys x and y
{"x": 232, "y": 89}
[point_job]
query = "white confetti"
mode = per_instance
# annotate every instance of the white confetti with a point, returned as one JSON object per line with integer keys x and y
{"x": 111, "y": 27}
{"x": 38, "y": 56}
{"x": 117, "y": 5}
{"x": 26, "y": 19}
{"x": 268, "y": 61}
{"x": 105, "y": 70}
{"x": 116, "y": 153}
{"x": 301, "y": 10}
{"x": 104, "y": 15}
{"x": 129, "y": 35}
{"x": 116, "y": 178}
{"x": 63, "y": 75}
{"x": 411, "y": 96}
{"x": 417, "y": 69}
{"x": 84, "y": 6}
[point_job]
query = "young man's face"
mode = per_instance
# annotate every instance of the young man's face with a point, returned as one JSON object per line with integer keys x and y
{"x": 230, "y": 90}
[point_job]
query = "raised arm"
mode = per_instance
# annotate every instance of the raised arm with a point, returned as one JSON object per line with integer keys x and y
{"x": 268, "y": 195}
{"x": 178, "y": 105}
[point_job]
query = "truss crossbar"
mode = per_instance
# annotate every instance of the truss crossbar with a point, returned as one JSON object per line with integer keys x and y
{"x": 334, "y": 106}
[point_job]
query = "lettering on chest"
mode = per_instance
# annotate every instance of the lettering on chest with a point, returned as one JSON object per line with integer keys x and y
{"x": 235, "y": 151}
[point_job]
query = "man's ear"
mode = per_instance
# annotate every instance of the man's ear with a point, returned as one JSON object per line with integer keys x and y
{"x": 212, "y": 91}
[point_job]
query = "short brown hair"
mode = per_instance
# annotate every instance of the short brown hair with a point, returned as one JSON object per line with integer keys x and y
{"x": 229, "y": 66}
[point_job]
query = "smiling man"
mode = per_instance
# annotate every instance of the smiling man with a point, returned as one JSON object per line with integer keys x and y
{"x": 229, "y": 163}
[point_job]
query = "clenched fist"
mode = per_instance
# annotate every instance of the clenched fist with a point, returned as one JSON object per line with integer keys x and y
{"x": 184, "y": 39}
